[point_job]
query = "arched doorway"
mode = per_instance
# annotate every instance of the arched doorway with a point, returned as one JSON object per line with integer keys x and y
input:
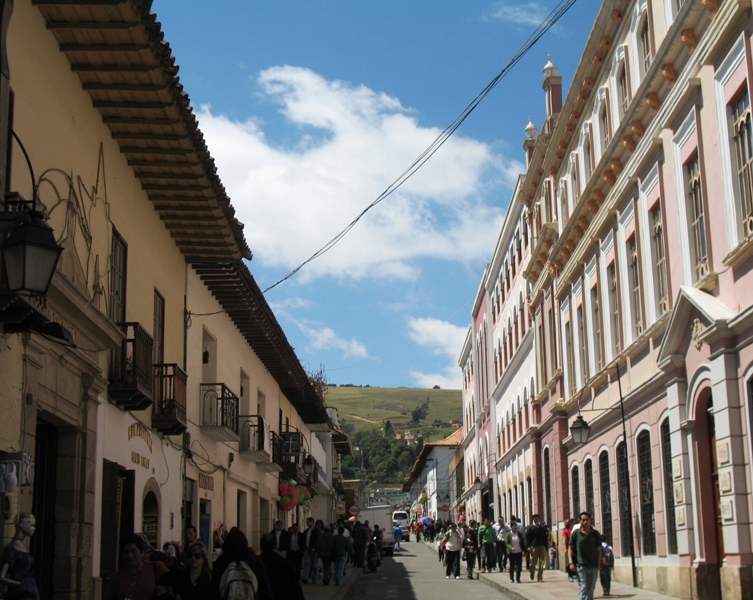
{"x": 150, "y": 518}
{"x": 710, "y": 514}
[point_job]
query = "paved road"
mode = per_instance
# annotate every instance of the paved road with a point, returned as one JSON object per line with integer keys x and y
{"x": 416, "y": 574}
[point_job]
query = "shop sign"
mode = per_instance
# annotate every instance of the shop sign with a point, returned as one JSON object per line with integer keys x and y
{"x": 139, "y": 459}
{"x": 140, "y": 430}
{"x": 150, "y": 527}
{"x": 206, "y": 482}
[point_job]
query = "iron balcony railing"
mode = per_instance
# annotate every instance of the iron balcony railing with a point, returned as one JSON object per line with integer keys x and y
{"x": 255, "y": 435}
{"x": 169, "y": 409}
{"x": 219, "y": 406}
{"x": 131, "y": 369}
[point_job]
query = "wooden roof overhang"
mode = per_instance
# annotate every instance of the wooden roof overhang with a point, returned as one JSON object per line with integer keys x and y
{"x": 117, "y": 49}
{"x": 236, "y": 290}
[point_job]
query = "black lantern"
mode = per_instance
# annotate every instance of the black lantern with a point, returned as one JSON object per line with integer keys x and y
{"x": 308, "y": 466}
{"x": 30, "y": 255}
{"x": 580, "y": 430}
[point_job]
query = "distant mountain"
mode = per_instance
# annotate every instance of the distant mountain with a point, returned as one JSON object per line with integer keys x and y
{"x": 382, "y": 423}
{"x": 369, "y": 408}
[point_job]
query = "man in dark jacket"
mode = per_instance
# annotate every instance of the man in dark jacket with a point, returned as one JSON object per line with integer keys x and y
{"x": 537, "y": 541}
{"x": 325, "y": 550}
{"x": 281, "y": 573}
{"x": 310, "y": 558}
{"x": 361, "y": 537}
{"x": 296, "y": 544}
{"x": 282, "y": 538}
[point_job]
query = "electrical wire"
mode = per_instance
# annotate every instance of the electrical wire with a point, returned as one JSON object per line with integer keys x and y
{"x": 555, "y": 15}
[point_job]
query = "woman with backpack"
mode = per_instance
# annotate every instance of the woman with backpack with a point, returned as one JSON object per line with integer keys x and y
{"x": 239, "y": 559}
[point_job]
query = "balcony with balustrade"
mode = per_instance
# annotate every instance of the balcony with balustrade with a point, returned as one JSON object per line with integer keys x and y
{"x": 219, "y": 412}
{"x": 131, "y": 370}
{"x": 169, "y": 408}
{"x": 260, "y": 445}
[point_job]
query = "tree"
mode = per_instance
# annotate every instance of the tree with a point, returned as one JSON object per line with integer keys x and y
{"x": 389, "y": 430}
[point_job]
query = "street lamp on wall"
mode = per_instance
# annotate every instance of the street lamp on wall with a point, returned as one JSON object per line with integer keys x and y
{"x": 30, "y": 254}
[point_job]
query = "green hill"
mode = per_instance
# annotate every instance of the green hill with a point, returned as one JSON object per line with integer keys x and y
{"x": 385, "y": 456}
{"x": 363, "y": 409}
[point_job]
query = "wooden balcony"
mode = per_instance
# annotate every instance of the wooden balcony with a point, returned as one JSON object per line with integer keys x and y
{"x": 131, "y": 371}
{"x": 292, "y": 456}
{"x": 169, "y": 409}
{"x": 219, "y": 412}
{"x": 258, "y": 444}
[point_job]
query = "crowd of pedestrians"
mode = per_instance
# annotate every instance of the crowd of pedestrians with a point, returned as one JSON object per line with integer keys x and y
{"x": 289, "y": 558}
{"x": 502, "y": 546}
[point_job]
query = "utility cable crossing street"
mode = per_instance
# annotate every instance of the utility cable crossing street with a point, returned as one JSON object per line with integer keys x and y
{"x": 416, "y": 574}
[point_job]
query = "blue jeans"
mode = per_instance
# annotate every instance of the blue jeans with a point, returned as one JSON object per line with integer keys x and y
{"x": 487, "y": 556}
{"x": 605, "y": 574}
{"x": 310, "y": 560}
{"x": 587, "y": 577}
{"x": 339, "y": 569}
{"x": 469, "y": 564}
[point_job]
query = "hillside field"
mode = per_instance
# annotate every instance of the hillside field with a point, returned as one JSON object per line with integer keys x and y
{"x": 369, "y": 408}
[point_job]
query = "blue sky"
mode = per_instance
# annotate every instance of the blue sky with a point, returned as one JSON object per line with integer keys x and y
{"x": 312, "y": 109}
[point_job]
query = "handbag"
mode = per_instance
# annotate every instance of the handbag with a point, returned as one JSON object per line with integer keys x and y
{"x": 465, "y": 555}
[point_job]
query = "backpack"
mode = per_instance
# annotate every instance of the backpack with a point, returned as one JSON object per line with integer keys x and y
{"x": 238, "y": 582}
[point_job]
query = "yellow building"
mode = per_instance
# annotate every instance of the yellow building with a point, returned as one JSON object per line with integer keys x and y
{"x": 151, "y": 387}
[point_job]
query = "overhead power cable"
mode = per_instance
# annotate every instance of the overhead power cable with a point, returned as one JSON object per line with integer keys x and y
{"x": 555, "y": 15}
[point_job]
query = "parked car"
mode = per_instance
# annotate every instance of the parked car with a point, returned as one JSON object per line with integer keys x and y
{"x": 406, "y": 533}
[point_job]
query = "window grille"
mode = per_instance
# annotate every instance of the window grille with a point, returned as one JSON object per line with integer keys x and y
{"x": 743, "y": 141}
{"x": 606, "y": 497}
{"x": 646, "y": 478}
{"x": 698, "y": 218}
{"x": 576, "y": 492}
{"x": 623, "y": 486}
{"x": 588, "y": 474}
{"x": 669, "y": 499}
{"x": 660, "y": 260}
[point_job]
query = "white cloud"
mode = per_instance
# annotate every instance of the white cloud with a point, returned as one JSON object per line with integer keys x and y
{"x": 349, "y": 144}
{"x": 325, "y": 338}
{"x": 440, "y": 338}
{"x": 530, "y": 13}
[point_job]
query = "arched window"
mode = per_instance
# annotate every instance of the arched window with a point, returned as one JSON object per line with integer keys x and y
{"x": 606, "y": 497}
{"x": 645, "y": 476}
{"x": 623, "y": 485}
{"x": 575, "y": 476}
{"x": 547, "y": 488}
{"x": 669, "y": 499}
{"x": 588, "y": 475}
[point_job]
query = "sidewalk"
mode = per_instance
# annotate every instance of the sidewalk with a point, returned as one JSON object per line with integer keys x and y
{"x": 555, "y": 587}
{"x": 319, "y": 591}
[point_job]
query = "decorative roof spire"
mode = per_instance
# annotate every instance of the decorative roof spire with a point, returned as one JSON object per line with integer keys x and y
{"x": 531, "y": 130}
{"x": 550, "y": 69}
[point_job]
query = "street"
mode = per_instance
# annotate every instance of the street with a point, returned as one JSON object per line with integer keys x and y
{"x": 414, "y": 574}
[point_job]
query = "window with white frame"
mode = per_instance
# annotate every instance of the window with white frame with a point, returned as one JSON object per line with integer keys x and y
{"x": 742, "y": 137}
{"x": 574, "y": 178}
{"x": 564, "y": 208}
{"x": 604, "y": 127}
{"x": 660, "y": 259}
{"x": 596, "y": 329}
{"x": 644, "y": 45}
{"x": 614, "y": 309}
{"x": 582, "y": 366}
{"x": 634, "y": 281}
{"x": 573, "y": 384}
{"x": 587, "y": 155}
{"x": 623, "y": 91}
{"x": 697, "y": 217}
